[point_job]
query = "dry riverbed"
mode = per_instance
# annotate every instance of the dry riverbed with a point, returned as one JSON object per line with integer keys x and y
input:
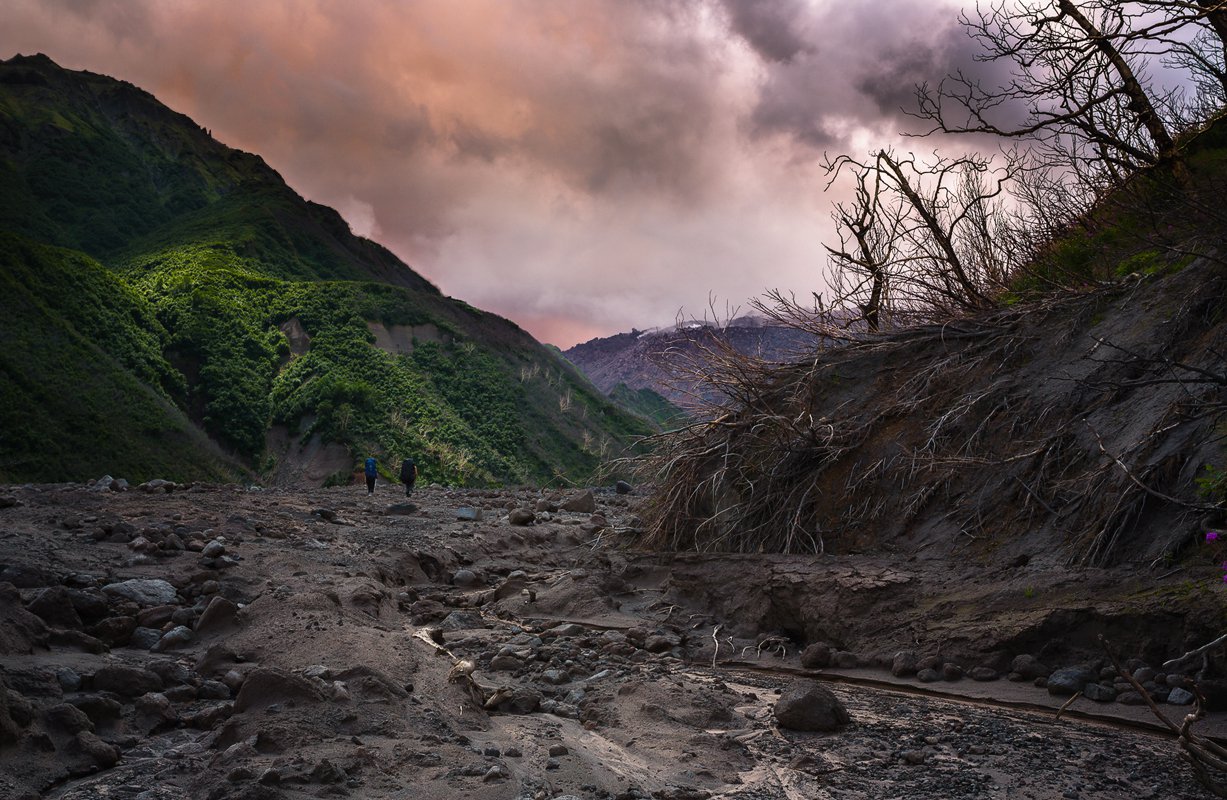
{"x": 214, "y": 642}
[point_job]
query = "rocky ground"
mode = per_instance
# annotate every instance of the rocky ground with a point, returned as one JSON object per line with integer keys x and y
{"x": 216, "y": 642}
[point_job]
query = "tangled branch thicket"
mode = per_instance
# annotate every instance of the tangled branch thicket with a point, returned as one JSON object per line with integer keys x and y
{"x": 999, "y": 351}
{"x": 1066, "y": 416}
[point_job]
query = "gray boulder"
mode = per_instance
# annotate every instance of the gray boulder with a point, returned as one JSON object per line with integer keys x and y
{"x": 580, "y": 504}
{"x": 810, "y": 707}
{"x": 145, "y": 592}
{"x": 1070, "y": 680}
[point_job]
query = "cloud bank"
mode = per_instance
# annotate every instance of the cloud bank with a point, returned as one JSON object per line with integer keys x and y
{"x": 579, "y": 167}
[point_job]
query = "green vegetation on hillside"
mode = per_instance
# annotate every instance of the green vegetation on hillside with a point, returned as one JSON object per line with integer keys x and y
{"x": 203, "y": 255}
{"x": 648, "y": 404}
{"x": 84, "y": 389}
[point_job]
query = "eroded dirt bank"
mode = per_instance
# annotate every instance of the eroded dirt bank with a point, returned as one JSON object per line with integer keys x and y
{"x": 302, "y": 644}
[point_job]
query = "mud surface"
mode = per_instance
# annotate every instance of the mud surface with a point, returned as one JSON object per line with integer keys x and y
{"x": 326, "y": 643}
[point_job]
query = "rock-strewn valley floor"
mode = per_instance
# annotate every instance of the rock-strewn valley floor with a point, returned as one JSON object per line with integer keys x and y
{"x": 305, "y": 642}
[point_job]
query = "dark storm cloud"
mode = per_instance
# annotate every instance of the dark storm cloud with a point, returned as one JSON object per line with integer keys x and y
{"x": 859, "y": 68}
{"x": 773, "y": 29}
{"x": 583, "y": 166}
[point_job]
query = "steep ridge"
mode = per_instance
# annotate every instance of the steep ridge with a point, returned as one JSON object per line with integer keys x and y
{"x": 258, "y": 311}
{"x": 669, "y": 362}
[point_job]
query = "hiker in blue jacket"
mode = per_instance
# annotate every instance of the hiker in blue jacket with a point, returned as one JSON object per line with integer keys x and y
{"x": 371, "y": 472}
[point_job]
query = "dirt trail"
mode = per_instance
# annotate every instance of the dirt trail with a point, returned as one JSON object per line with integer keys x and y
{"x": 305, "y": 642}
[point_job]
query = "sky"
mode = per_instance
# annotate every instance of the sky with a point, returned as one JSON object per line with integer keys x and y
{"x": 582, "y": 167}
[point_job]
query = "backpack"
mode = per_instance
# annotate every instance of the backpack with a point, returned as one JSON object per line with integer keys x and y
{"x": 408, "y": 470}
{"x": 370, "y": 468}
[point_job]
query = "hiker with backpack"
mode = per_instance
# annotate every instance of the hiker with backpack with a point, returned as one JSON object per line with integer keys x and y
{"x": 408, "y": 474}
{"x": 371, "y": 472}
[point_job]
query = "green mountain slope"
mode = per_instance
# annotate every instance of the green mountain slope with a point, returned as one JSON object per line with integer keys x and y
{"x": 84, "y": 389}
{"x": 252, "y": 313}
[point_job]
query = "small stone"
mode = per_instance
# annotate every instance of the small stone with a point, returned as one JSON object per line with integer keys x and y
{"x": 556, "y": 677}
{"x": 1099, "y": 693}
{"x": 68, "y": 718}
{"x": 904, "y": 663}
{"x": 513, "y": 752}
{"x": 1131, "y": 698}
{"x": 102, "y": 754}
{"x": 115, "y": 631}
{"x": 1144, "y": 674}
{"x": 622, "y": 487}
{"x": 558, "y": 750}
{"x": 220, "y": 615}
{"x": 54, "y": 605}
{"x": 1070, "y": 680}
{"x": 175, "y": 637}
{"x": 213, "y": 690}
{"x": 913, "y": 757}
{"x": 984, "y": 674}
{"x": 401, "y": 509}
{"x": 126, "y": 681}
{"x": 951, "y": 672}
{"x": 155, "y": 616}
{"x": 928, "y": 675}
{"x": 816, "y": 656}
{"x": 214, "y": 549}
{"x": 468, "y": 514}
{"x": 144, "y": 638}
{"x": 842, "y": 659}
{"x": 505, "y": 663}
{"x": 661, "y": 642}
{"x": 1029, "y": 667}
{"x": 521, "y": 517}
{"x": 1181, "y": 697}
{"x": 69, "y": 680}
{"x": 580, "y": 504}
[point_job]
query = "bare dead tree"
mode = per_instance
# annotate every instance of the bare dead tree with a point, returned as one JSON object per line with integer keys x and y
{"x": 921, "y": 236}
{"x": 869, "y": 231}
{"x": 1077, "y": 74}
